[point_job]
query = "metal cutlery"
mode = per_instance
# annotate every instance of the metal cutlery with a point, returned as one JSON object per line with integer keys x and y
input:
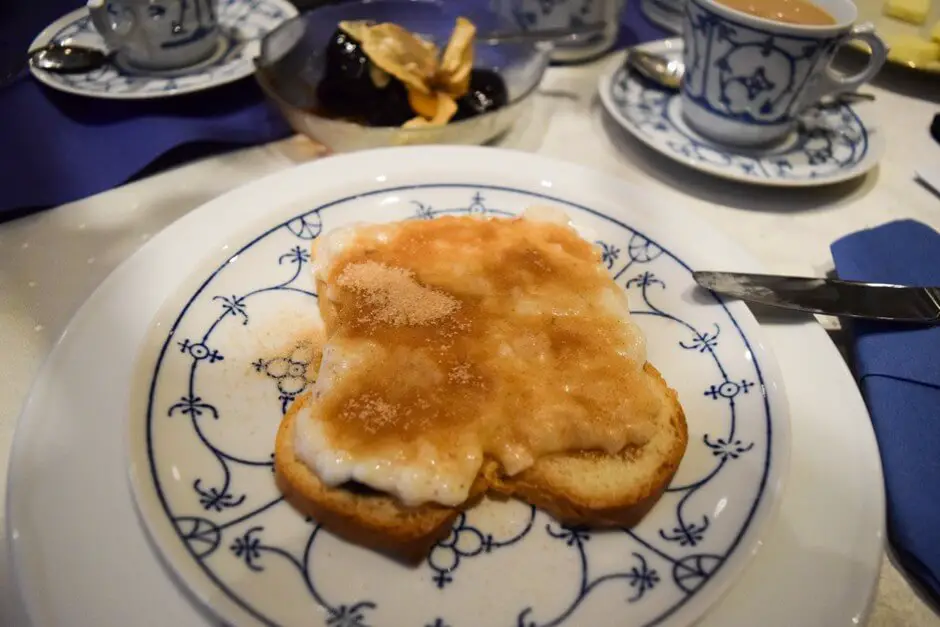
{"x": 68, "y": 58}
{"x": 852, "y": 299}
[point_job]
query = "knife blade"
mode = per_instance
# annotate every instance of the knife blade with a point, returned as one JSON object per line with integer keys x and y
{"x": 853, "y": 299}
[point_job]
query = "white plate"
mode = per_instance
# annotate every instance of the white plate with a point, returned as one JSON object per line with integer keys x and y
{"x": 833, "y": 144}
{"x": 67, "y": 456}
{"x": 243, "y": 23}
{"x": 204, "y": 418}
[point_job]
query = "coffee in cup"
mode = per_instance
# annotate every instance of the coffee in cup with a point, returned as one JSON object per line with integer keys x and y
{"x": 801, "y": 12}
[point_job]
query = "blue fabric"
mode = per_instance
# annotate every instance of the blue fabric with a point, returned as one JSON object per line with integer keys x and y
{"x": 56, "y": 148}
{"x": 636, "y": 28}
{"x": 899, "y": 371}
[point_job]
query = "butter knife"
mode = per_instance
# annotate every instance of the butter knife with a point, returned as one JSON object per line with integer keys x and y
{"x": 877, "y": 301}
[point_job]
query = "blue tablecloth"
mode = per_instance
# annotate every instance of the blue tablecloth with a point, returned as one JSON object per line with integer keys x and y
{"x": 56, "y": 148}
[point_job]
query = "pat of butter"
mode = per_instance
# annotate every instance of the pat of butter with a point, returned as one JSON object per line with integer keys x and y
{"x": 913, "y": 11}
{"x": 912, "y": 49}
{"x": 935, "y": 32}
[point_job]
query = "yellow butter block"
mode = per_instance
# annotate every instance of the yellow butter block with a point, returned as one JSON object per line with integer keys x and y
{"x": 913, "y": 11}
{"x": 913, "y": 49}
{"x": 935, "y": 31}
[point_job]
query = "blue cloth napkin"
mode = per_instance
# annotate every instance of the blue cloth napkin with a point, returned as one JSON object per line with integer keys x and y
{"x": 899, "y": 372}
{"x": 56, "y": 148}
{"x": 636, "y": 28}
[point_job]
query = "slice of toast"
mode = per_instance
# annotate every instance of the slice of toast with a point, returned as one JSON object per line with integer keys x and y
{"x": 586, "y": 488}
{"x": 358, "y": 513}
{"x": 595, "y": 489}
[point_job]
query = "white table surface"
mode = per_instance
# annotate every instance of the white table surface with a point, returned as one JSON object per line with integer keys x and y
{"x": 51, "y": 262}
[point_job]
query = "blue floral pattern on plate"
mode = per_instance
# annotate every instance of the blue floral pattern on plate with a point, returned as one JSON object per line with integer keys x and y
{"x": 231, "y": 347}
{"x": 241, "y": 23}
{"x": 832, "y": 141}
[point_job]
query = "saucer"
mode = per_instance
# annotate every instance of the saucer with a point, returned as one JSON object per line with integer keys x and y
{"x": 242, "y": 24}
{"x": 832, "y": 143}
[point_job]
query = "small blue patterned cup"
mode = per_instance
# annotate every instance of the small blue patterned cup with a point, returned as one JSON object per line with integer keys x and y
{"x": 543, "y": 14}
{"x": 747, "y": 78}
{"x": 157, "y": 34}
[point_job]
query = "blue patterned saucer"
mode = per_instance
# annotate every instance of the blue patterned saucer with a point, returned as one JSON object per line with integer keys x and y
{"x": 831, "y": 144}
{"x": 242, "y": 22}
{"x": 219, "y": 364}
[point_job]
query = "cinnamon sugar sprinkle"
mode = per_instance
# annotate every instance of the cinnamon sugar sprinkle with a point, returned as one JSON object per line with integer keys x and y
{"x": 394, "y": 297}
{"x": 370, "y": 410}
{"x": 481, "y": 338}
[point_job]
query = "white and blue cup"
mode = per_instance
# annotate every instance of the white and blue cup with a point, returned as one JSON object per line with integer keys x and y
{"x": 747, "y": 79}
{"x": 544, "y": 14}
{"x": 157, "y": 34}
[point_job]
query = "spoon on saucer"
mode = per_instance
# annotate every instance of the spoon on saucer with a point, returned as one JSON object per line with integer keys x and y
{"x": 68, "y": 58}
{"x": 668, "y": 72}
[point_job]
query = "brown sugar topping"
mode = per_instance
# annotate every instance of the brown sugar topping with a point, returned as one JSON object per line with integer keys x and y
{"x": 483, "y": 336}
{"x": 370, "y": 411}
{"x": 393, "y": 297}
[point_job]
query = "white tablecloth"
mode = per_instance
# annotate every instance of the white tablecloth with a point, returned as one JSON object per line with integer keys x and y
{"x": 51, "y": 262}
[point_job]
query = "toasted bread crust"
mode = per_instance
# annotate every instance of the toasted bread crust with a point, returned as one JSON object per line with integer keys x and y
{"x": 571, "y": 502}
{"x": 553, "y": 484}
{"x": 373, "y": 520}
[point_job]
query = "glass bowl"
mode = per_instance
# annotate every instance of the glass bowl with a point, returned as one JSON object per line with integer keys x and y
{"x": 291, "y": 64}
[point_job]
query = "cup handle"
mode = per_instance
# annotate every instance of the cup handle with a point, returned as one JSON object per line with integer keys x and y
{"x": 115, "y": 30}
{"x": 832, "y": 82}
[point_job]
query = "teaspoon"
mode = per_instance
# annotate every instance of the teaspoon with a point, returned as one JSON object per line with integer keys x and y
{"x": 68, "y": 58}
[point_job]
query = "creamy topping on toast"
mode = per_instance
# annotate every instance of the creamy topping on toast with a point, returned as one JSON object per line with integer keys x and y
{"x": 460, "y": 338}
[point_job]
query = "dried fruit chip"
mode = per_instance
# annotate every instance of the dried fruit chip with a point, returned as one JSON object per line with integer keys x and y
{"x": 423, "y": 104}
{"x": 407, "y": 57}
{"x": 444, "y": 109}
{"x": 433, "y": 85}
{"x": 457, "y": 62}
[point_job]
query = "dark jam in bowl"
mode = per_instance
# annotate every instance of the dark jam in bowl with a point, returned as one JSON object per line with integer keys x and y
{"x": 487, "y": 93}
{"x": 348, "y": 89}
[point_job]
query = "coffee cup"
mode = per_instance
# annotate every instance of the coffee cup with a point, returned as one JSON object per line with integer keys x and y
{"x": 753, "y": 67}
{"x": 157, "y": 34}
{"x": 549, "y": 14}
